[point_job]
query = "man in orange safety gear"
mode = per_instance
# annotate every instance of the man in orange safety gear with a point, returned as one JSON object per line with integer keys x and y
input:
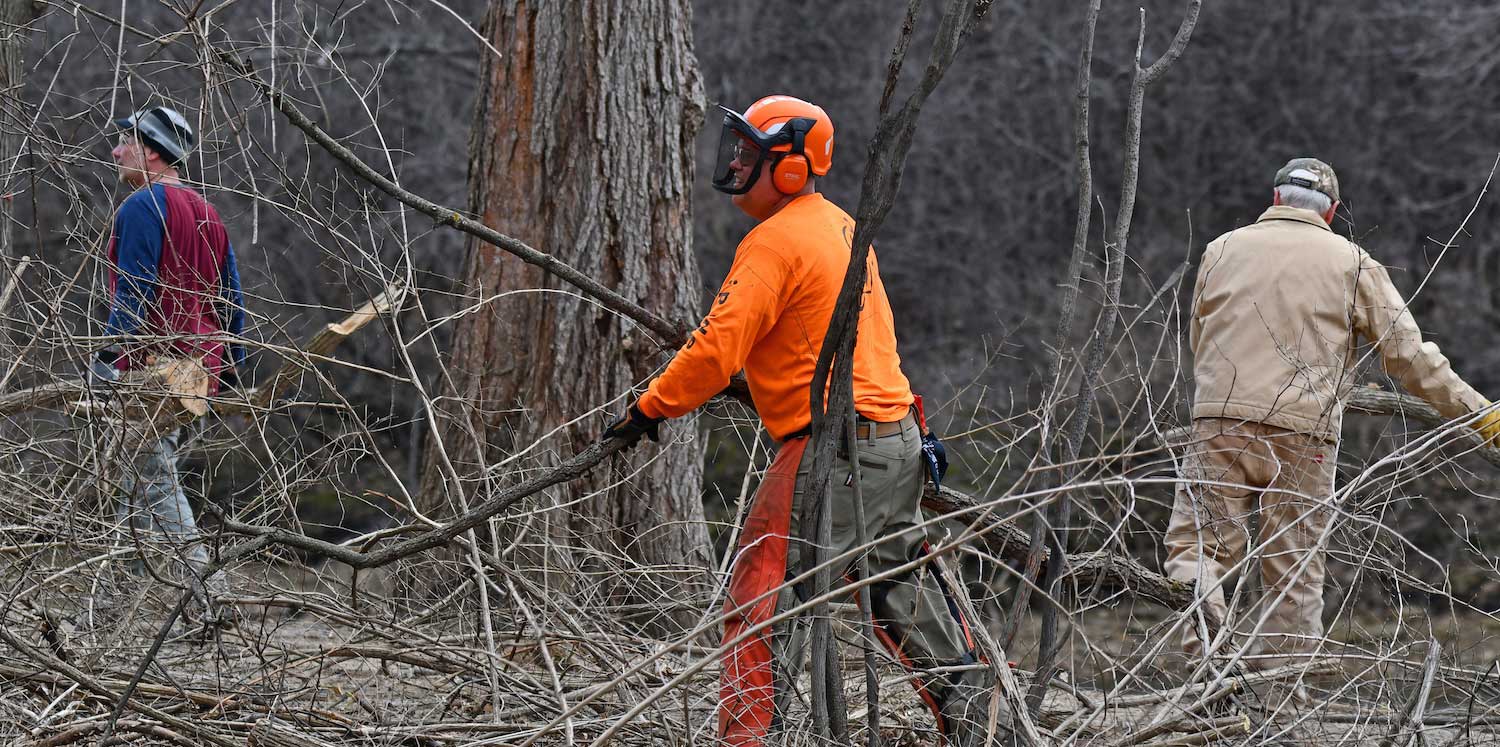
{"x": 769, "y": 319}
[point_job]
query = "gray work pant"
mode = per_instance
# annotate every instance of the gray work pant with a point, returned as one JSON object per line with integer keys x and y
{"x": 912, "y": 609}
{"x": 152, "y": 507}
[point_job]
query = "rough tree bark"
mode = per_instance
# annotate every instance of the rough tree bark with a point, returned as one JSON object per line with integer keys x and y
{"x": 15, "y": 16}
{"x": 582, "y": 146}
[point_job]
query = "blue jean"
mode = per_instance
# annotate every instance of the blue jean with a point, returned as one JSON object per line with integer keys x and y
{"x": 152, "y": 502}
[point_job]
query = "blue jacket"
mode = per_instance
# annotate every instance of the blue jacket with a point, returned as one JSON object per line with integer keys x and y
{"x": 173, "y": 274}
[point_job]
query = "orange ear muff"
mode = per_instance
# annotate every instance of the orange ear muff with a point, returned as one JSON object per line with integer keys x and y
{"x": 790, "y": 174}
{"x": 790, "y": 171}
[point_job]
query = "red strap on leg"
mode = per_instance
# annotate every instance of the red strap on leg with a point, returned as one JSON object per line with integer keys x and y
{"x": 952, "y": 601}
{"x": 747, "y": 685}
{"x": 916, "y": 682}
{"x": 888, "y": 638}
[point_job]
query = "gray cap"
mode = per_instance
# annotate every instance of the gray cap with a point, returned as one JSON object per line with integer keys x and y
{"x": 1311, "y": 174}
{"x": 164, "y": 130}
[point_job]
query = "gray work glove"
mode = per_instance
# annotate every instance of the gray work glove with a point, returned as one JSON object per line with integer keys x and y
{"x": 101, "y": 374}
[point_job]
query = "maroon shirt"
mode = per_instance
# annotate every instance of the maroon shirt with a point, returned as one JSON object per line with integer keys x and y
{"x": 172, "y": 274}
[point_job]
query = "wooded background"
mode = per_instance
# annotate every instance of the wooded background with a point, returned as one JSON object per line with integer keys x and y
{"x": 503, "y": 576}
{"x": 1402, "y": 100}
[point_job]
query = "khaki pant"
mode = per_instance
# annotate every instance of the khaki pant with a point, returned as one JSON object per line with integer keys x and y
{"x": 1234, "y": 470}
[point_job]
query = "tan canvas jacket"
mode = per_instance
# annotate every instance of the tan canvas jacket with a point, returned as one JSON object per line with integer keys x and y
{"x": 1277, "y": 310}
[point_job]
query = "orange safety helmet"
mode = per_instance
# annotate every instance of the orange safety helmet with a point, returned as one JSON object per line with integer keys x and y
{"x": 797, "y": 138}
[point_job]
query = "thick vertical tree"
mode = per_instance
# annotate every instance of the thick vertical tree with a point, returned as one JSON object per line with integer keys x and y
{"x": 15, "y": 17}
{"x": 581, "y": 147}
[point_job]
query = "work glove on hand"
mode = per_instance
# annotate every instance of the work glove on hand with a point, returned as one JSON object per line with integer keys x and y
{"x": 632, "y": 425}
{"x": 1489, "y": 426}
{"x": 937, "y": 458}
{"x": 229, "y": 378}
{"x": 101, "y": 373}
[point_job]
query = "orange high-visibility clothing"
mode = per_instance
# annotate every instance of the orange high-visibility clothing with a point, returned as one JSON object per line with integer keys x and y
{"x": 770, "y": 318}
{"x": 747, "y": 685}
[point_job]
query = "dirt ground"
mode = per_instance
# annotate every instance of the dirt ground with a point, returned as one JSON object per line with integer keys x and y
{"x": 312, "y": 662}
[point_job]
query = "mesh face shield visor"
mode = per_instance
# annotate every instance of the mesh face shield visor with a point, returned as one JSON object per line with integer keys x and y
{"x": 743, "y": 148}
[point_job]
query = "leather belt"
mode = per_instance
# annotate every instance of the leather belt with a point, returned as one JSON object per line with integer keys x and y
{"x": 863, "y": 428}
{"x": 868, "y": 429}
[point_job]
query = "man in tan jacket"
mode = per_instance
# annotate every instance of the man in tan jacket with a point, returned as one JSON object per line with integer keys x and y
{"x": 1277, "y": 308}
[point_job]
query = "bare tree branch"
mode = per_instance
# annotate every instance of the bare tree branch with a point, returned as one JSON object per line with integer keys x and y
{"x": 835, "y": 369}
{"x": 1105, "y": 328}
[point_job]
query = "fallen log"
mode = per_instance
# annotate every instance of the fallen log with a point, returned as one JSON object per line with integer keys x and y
{"x": 1370, "y": 399}
{"x": 147, "y": 391}
{"x": 1106, "y": 570}
{"x": 1115, "y": 572}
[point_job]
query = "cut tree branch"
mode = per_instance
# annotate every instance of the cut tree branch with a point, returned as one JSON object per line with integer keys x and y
{"x": 1370, "y": 400}
{"x": 672, "y": 335}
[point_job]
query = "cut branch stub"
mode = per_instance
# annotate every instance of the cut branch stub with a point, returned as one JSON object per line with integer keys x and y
{"x": 326, "y": 339}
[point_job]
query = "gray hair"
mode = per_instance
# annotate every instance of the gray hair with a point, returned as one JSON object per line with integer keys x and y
{"x": 1301, "y": 197}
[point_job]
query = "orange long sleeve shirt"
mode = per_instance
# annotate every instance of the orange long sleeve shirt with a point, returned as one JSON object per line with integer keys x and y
{"x": 770, "y": 318}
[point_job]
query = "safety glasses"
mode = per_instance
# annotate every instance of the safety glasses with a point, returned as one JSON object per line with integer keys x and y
{"x": 743, "y": 148}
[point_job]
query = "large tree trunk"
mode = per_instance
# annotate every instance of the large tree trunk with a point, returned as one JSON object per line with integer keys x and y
{"x": 15, "y": 17}
{"x": 582, "y": 147}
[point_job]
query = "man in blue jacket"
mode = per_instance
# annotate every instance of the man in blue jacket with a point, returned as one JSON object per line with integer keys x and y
{"x": 174, "y": 294}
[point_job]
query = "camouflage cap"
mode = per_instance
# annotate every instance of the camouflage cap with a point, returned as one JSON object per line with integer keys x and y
{"x": 1311, "y": 174}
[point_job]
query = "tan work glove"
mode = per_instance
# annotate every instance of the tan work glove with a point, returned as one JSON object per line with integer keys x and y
{"x": 1488, "y": 426}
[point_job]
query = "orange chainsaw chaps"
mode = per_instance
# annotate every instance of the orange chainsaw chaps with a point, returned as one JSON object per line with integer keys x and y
{"x": 747, "y": 685}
